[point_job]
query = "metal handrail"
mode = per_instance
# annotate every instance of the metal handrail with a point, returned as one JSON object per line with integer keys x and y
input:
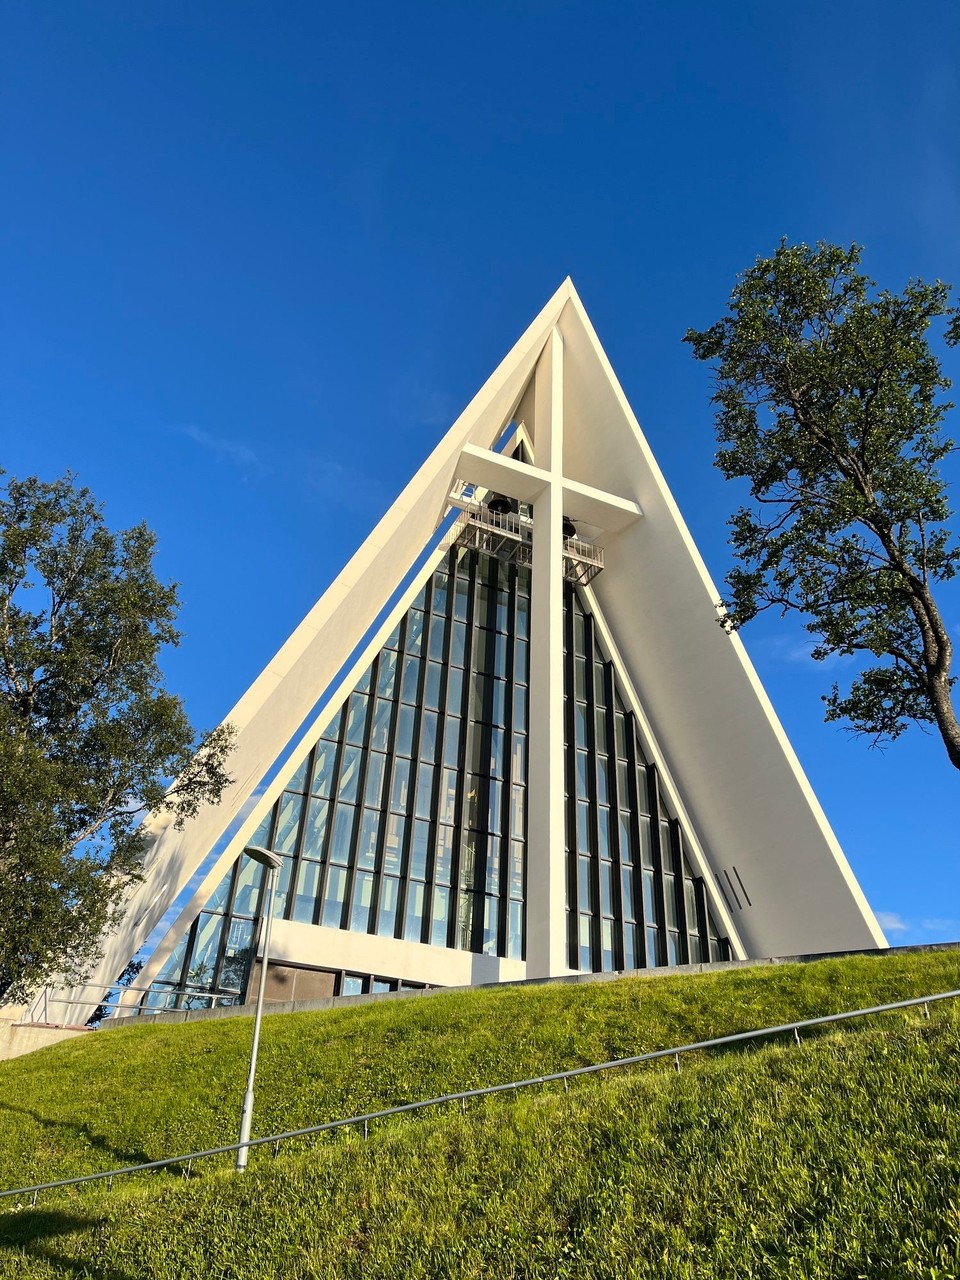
{"x": 275, "y": 1139}
{"x": 45, "y": 998}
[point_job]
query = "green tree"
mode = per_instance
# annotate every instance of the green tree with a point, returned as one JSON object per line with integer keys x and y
{"x": 89, "y": 738}
{"x": 828, "y": 404}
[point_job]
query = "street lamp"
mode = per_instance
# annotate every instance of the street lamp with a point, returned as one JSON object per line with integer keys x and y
{"x": 271, "y": 861}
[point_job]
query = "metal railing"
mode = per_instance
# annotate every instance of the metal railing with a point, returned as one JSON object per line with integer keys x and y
{"x": 39, "y": 1011}
{"x": 274, "y": 1140}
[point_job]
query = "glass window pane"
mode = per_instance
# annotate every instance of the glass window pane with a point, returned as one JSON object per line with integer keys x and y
{"x": 521, "y": 655}
{"x": 323, "y": 768}
{"x": 465, "y": 921}
{"x": 495, "y": 800}
{"x": 389, "y": 896}
{"x": 446, "y": 810}
{"x": 606, "y": 889}
{"x": 247, "y": 894}
{"x": 308, "y": 887}
{"x": 584, "y": 843}
{"x": 642, "y": 789}
{"x": 236, "y": 955}
{"x": 451, "y": 743}
{"x": 603, "y": 827}
{"x": 603, "y": 791}
{"x": 515, "y": 931}
{"x": 649, "y": 904}
{"x": 333, "y": 897}
{"x": 299, "y": 780}
{"x": 221, "y": 894}
{"x": 626, "y": 885}
{"x": 518, "y": 800}
{"x": 173, "y": 965}
{"x": 458, "y": 641}
{"x": 493, "y": 864}
{"x": 443, "y": 858}
{"x": 620, "y": 731}
{"x": 673, "y": 948}
{"x": 523, "y": 617}
{"x": 580, "y": 721}
{"x": 332, "y": 731}
{"x": 373, "y": 788}
{"x": 316, "y": 828}
{"x": 586, "y": 950}
{"x": 583, "y": 763}
{"x": 491, "y": 917}
{"x": 356, "y": 718}
{"x": 441, "y": 916}
{"x": 653, "y": 950}
{"x": 631, "y": 946}
{"x": 399, "y": 792}
{"x": 519, "y": 757}
{"x": 441, "y": 582}
{"x": 424, "y": 790}
{"x": 367, "y": 848}
{"x": 438, "y": 634}
{"x": 454, "y": 690}
{"x": 646, "y": 843}
{"x": 584, "y": 885}
{"x": 405, "y": 731}
{"x": 669, "y": 893}
{"x": 342, "y": 834}
{"x": 411, "y": 680}
{"x": 460, "y": 602}
{"x": 520, "y": 707}
{"x": 419, "y": 847}
{"x": 696, "y": 950}
{"x": 431, "y": 696}
{"x": 393, "y": 843}
{"x": 386, "y": 673}
{"x": 288, "y": 820}
{"x": 282, "y": 887}
{"x": 349, "y": 774}
{"x": 414, "y": 639}
{"x": 428, "y": 736}
{"x": 515, "y": 885}
{"x": 626, "y": 837}
{"x": 352, "y": 985}
{"x": 499, "y": 702}
{"x": 380, "y": 733}
{"x": 606, "y": 945}
{"x": 413, "y": 922}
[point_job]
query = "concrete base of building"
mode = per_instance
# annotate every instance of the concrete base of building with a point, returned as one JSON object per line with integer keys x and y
{"x": 18, "y": 1038}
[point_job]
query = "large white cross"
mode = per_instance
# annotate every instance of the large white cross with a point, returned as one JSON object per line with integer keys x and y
{"x": 551, "y": 494}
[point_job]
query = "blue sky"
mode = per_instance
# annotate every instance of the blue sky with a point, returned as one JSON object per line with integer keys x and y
{"x": 257, "y": 257}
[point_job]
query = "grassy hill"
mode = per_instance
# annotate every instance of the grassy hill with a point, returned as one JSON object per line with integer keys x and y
{"x": 840, "y": 1158}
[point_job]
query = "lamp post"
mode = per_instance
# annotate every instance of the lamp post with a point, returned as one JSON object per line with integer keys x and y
{"x": 271, "y": 862}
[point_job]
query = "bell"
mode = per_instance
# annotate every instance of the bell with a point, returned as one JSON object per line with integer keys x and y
{"x": 501, "y": 505}
{"x": 569, "y": 528}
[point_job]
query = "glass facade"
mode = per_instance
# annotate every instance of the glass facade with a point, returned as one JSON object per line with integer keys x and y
{"x": 408, "y": 817}
{"x": 633, "y": 901}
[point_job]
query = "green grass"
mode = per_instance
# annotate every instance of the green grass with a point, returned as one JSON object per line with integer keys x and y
{"x": 837, "y": 1159}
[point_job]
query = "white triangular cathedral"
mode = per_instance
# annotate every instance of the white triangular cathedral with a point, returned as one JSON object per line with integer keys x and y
{"x": 509, "y": 741}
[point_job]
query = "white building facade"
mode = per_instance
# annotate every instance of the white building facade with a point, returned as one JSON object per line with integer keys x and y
{"x": 511, "y": 740}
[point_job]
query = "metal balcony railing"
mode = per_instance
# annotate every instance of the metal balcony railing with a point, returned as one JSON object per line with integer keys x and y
{"x": 508, "y": 535}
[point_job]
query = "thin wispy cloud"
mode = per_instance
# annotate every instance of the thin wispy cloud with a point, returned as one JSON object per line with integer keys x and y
{"x": 235, "y": 453}
{"x": 903, "y": 931}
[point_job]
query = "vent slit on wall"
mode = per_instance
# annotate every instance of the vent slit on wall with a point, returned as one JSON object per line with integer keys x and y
{"x": 743, "y": 889}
